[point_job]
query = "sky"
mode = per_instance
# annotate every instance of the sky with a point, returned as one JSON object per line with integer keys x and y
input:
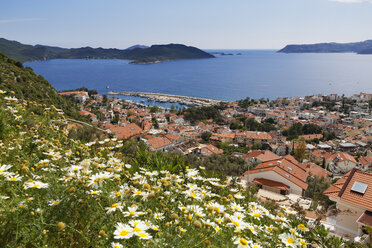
{"x": 207, "y": 24}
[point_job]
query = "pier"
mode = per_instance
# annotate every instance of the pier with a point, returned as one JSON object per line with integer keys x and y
{"x": 159, "y": 97}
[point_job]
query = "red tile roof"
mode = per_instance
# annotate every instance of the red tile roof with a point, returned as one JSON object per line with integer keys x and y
{"x": 291, "y": 159}
{"x": 342, "y": 189}
{"x": 174, "y": 137}
{"x": 292, "y": 172}
{"x": 158, "y": 142}
{"x": 264, "y": 155}
{"x": 367, "y": 160}
{"x": 312, "y": 136}
{"x": 76, "y": 93}
{"x": 211, "y": 149}
{"x": 341, "y": 156}
{"x": 127, "y": 131}
{"x": 365, "y": 218}
{"x": 84, "y": 113}
{"x": 315, "y": 170}
{"x": 271, "y": 183}
{"x": 225, "y": 135}
{"x": 255, "y": 135}
{"x": 319, "y": 153}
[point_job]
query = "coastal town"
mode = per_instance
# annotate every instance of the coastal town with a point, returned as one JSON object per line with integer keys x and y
{"x": 285, "y": 144}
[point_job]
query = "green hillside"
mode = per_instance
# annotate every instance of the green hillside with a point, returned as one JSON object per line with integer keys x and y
{"x": 155, "y": 53}
{"x": 29, "y": 86}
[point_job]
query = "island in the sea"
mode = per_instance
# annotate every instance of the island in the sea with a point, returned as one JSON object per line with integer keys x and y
{"x": 137, "y": 54}
{"x": 363, "y": 47}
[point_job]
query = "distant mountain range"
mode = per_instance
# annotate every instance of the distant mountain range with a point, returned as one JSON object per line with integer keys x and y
{"x": 138, "y": 54}
{"x": 137, "y": 46}
{"x": 364, "y": 47}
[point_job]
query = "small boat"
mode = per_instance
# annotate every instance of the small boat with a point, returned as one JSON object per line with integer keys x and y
{"x": 108, "y": 87}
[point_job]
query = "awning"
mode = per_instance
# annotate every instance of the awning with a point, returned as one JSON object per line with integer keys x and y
{"x": 271, "y": 183}
{"x": 365, "y": 218}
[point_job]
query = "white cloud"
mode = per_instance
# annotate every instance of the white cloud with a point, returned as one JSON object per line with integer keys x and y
{"x": 19, "y": 20}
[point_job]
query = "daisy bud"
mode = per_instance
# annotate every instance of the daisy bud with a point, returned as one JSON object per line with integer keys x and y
{"x": 275, "y": 229}
{"x": 173, "y": 216}
{"x": 61, "y": 226}
{"x": 197, "y": 224}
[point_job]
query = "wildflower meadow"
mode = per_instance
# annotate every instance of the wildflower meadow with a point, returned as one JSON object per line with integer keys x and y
{"x": 60, "y": 192}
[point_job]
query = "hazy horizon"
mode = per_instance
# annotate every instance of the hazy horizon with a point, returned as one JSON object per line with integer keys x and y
{"x": 203, "y": 48}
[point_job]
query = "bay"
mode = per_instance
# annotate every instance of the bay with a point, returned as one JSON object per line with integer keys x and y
{"x": 253, "y": 73}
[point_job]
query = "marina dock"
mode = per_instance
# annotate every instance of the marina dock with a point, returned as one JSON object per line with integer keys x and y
{"x": 185, "y": 100}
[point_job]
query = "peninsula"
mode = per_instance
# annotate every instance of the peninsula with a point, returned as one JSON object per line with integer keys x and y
{"x": 137, "y": 54}
{"x": 364, "y": 47}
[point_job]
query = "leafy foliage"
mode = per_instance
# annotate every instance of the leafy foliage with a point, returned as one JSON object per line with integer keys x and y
{"x": 206, "y": 136}
{"x": 298, "y": 129}
{"x": 220, "y": 164}
{"x": 315, "y": 189}
{"x": 29, "y": 86}
{"x": 251, "y": 124}
{"x": 300, "y": 151}
{"x": 194, "y": 114}
{"x": 245, "y": 103}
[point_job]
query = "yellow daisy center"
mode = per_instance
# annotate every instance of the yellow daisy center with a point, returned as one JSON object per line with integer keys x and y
{"x": 243, "y": 242}
{"x": 302, "y": 226}
{"x": 236, "y": 223}
{"x": 290, "y": 241}
{"x": 124, "y": 233}
{"x": 143, "y": 235}
{"x": 256, "y": 215}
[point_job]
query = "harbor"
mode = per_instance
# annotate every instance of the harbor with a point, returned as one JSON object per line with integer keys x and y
{"x": 168, "y": 98}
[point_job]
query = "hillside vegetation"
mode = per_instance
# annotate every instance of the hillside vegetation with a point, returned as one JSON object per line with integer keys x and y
{"x": 60, "y": 192}
{"x": 138, "y": 55}
{"x": 25, "y": 84}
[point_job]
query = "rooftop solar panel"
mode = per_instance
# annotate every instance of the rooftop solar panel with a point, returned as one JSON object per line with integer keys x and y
{"x": 359, "y": 187}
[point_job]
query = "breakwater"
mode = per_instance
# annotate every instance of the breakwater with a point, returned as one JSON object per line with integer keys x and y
{"x": 159, "y": 97}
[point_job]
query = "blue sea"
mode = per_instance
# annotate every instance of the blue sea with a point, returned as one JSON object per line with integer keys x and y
{"x": 245, "y": 73}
